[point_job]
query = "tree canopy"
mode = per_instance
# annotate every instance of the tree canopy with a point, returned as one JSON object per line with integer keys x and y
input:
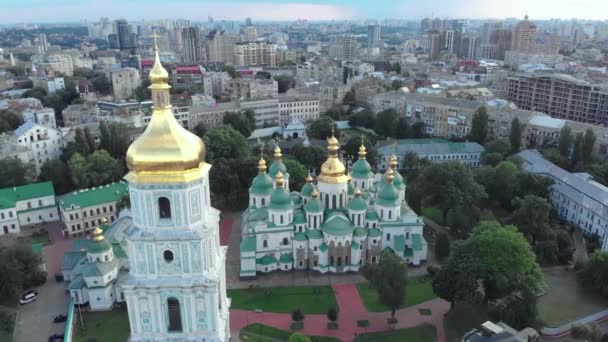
{"x": 225, "y": 142}
{"x": 389, "y": 279}
{"x": 479, "y": 125}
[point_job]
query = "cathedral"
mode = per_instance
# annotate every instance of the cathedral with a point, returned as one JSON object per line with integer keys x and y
{"x": 335, "y": 225}
{"x": 163, "y": 258}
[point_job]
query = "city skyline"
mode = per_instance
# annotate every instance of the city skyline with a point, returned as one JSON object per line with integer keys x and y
{"x": 318, "y": 10}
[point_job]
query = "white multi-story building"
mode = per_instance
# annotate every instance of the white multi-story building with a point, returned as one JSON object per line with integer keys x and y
{"x": 213, "y": 115}
{"x": 44, "y": 142}
{"x": 27, "y": 205}
{"x": 302, "y": 108}
{"x": 255, "y": 54}
{"x": 51, "y": 85}
{"x": 575, "y": 196}
{"x": 266, "y": 111}
{"x": 42, "y": 116}
{"x": 83, "y": 210}
{"x": 124, "y": 82}
{"x": 517, "y": 58}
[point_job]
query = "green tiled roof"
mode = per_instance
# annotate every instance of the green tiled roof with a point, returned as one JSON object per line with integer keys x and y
{"x": 416, "y": 242}
{"x": 360, "y": 231}
{"x": 371, "y": 215}
{"x": 314, "y": 206}
{"x": 71, "y": 259}
{"x": 388, "y": 196}
{"x": 354, "y": 245}
{"x": 306, "y": 190}
{"x": 277, "y": 166}
{"x": 99, "y": 246}
{"x": 267, "y": 260}
{"x": 89, "y": 197}
{"x": 81, "y": 245}
{"x": 300, "y": 237}
{"x": 77, "y": 283}
{"x": 374, "y": 232}
{"x": 337, "y": 224}
{"x": 118, "y": 251}
{"x": 323, "y": 247}
{"x": 357, "y": 204}
{"x": 286, "y": 258}
{"x": 255, "y": 214}
{"x": 10, "y": 196}
{"x": 299, "y": 218}
{"x": 280, "y": 199}
{"x": 400, "y": 243}
{"x": 314, "y": 234}
{"x": 91, "y": 270}
{"x": 361, "y": 169}
{"x": 295, "y": 198}
{"x": 248, "y": 244}
{"x": 261, "y": 185}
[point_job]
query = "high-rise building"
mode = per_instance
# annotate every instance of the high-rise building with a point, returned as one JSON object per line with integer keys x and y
{"x": 524, "y": 36}
{"x": 431, "y": 44}
{"x": 450, "y": 41}
{"x": 373, "y": 36}
{"x": 248, "y": 21}
{"x": 343, "y": 47}
{"x": 502, "y": 39}
{"x": 124, "y": 82}
{"x": 191, "y": 42}
{"x": 425, "y": 25}
{"x": 113, "y": 41}
{"x": 250, "y": 34}
{"x": 220, "y": 46}
{"x": 42, "y": 43}
{"x": 255, "y": 54}
{"x": 124, "y": 32}
{"x": 468, "y": 46}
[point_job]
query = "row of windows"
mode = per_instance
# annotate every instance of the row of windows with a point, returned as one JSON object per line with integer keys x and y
{"x": 105, "y": 210}
{"x": 10, "y": 215}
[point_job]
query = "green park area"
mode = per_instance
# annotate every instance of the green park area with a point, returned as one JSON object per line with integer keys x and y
{"x": 102, "y": 325}
{"x": 417, "y": 291}
{"x": 262, "y": 333}
{"x": 420, "y": 333}
{"x": 310, "y": 299}
{"x": 565, "y": 299}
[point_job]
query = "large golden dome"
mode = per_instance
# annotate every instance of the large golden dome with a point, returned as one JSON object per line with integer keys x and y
{"x": 332, "y": 170}
{"x": 165, "y": 152}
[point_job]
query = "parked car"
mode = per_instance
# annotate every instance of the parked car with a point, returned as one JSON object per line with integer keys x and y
{"x": 56, "y": 338}
{"x": 28, "y": 297}
{"x": 60, "y": 318}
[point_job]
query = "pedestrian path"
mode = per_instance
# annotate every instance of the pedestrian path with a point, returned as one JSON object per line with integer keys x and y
{"x": 351, "y": 309}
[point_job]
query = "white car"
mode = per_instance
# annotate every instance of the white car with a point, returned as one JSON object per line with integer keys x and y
{"x": 28, "y": 297}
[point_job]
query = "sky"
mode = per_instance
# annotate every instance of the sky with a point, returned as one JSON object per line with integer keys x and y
{"x": 17, "y": 11}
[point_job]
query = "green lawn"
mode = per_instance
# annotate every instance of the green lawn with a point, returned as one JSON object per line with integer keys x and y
{"x": 417, "y": 291}
{"x": 284, "y": 299}
{"x": 105, "y": 326}
{"x": 420, "y": 333}
{"x": 257, "y": 332}
{"x": 565, "y": 300}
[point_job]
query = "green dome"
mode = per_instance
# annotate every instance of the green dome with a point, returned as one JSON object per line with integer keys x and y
{"x": 277, "y": 166}
{"x": 299, "y": 218}
{"x": 350, "y": 188}
{"x": 97, "y": 247}
{"x": 306, "y": 190}
{"x": 388, "y": 196}
{"x": 280, "y": 199}
{"x": 314, "y": 206}
{"x": 261, "y": 185}
{"x": 397, "y": 181}
{"x": 357, "y": 204}
{"x": 361, "y": 170}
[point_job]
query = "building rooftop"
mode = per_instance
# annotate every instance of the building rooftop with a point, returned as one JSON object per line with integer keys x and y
{"x": 94, "y": 196}
{"x": 539, "y": 119}
{"x": 10, "y": 196}
{"x": 431, "y": 146}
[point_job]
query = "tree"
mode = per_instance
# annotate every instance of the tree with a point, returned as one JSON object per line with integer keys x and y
{"x": 594, "y": 275}
{"x": 103, "y": 168}
{"x": 448, "y": 186}
{"x": 231, "y": 71}
{"x": 389, "y": 279}
{"x": 310, "y": 156}
{"x": 9, "y": 120}
{"x": 297, "y": 337}
{"x": 36, "y": 92}
{"x": 20, "y": 268}
{"x": 285, "y": 82}
{"x": 241, "y": 122}
{"x": 578, "y": 150}
{"x": 332, "y": 314}
{"x": 413, "y": 165}
{"x": 515, "y": 135}
{"x": 142, "y": 92}
{"x": 396, "y": 84}
{"x": 527, "y": 183}
{"x": 297, "y": 174}
{"x": 565, "y": 141}
{"x": 200, "y": 129}
{"x": 349, "y": 98}
{"x": 13, "y": 173}
{"x": 82, "y": 145}
{"x": 225, "y": 142}
{"x": 588, "y": 145}
{"x": 322, "y": 128}
{"x": 263, "y": 75}
{"x": 396, "y": 67}
{"x": 90, "y": 141}
{"x": 113, "y": 139}
{"x": 503, "y": 185}
{"x": 492, "y": 159}
{"x": 532, "y": 217}
{"x": 351, "y": 150}
{"x": 479, "y": 126}
{"x": 334, "y": 113}
{"x": 56, "y": 171}
{"x": 419, "y": 130}
{"x": 454, "y": 284}
{"x": 101, "y": 83}
{"x": 442, "y": 246}
{"x": 362, "y": 118}
{"x": 224, "y": 182}
{"x": 123, "y": 203}
{"x": 385, "y": 123}
{"x": 297, "y": 315}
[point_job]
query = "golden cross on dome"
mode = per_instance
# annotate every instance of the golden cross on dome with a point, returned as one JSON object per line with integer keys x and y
{"x": 155, "y": 37}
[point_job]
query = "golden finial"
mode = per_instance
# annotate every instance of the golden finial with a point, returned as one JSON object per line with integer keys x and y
{"x": 357, "y": 192}
{"x": 277, "y": 153}
{"x": 262, "y": 165}
{"x": 309, "y": 178}
{"x": 393, "y": 159}
{"x": 279, "y": 179}
{"x": 158, "y": 74}
{"x": 362, "y": 151}
{"x": 97, "y": 234}
{"x": 314, "y": 194}
{"x": 390, "y": 175}
{"x": 332, "y": 145}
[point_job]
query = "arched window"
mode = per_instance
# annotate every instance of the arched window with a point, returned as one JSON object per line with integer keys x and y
{"x": 339, "y": 261}
{"x": 285, "y": 241}
{"x": 390, "y": 214}
{"x": 331, "y": 261}
{"x": 388, "y": 237}
{"x": 263, "y": 201}
{"x": 333, "y": 201}
{"x": 175, "y": 318}
{"x": 164, "y": 207}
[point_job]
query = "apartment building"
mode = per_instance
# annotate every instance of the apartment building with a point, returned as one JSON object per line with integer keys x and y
{"x": 188, "y": 78}
{"x": 302, "y": 108}
{"x": 27, "y": 205}
{"x": 83, "y": 210}
{"x": 239, "y": 88}
{"x": 344, "y": 47}
{"x": 266, "y": 111}
{"x": 255, "y": 54}
{"x": 575, "y": 196}
{"x": 124, "y": 82}
{"x": 211, "y": 116}
{"x": 560, "y": 95}
{"x": 220, "y": 47}
{"x": 44, "y": 143}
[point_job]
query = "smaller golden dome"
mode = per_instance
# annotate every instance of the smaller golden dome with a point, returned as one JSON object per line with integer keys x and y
{"x": 314, "y": 194}
{"x": 279, "y": 179}
{"x": 357, "y": 192}
{"x": 158, "y": 74}
{"x": 97, "y": 233}
{"x": 277, "y": 153}
{"x": 393, "y": 161}
{"x": 262, "y": 165}
{"x": 362, "y": 151}
{"x": 309, "y": 179}
{"x": 390, "y": 175}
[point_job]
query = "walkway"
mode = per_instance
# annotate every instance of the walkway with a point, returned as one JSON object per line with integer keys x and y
{"x": 351, "y": 310}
